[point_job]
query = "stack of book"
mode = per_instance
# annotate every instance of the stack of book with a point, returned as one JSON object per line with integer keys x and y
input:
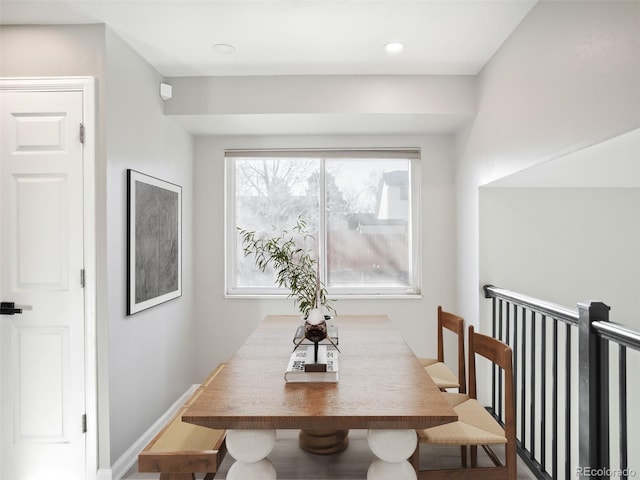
{"x": 297, "y": 372}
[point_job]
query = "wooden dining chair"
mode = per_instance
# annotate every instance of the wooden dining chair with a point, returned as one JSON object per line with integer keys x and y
{"x": 476, "y": 426}
{"x": 441, "y": 374}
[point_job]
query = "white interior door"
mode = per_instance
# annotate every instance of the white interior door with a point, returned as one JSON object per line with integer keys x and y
{"x": 42, "y": 349}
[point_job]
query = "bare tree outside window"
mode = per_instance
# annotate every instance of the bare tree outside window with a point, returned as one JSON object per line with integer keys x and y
{"x": 272, "y": 193}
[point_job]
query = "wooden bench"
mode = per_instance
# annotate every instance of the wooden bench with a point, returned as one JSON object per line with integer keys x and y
{"x": 181, "y": 449}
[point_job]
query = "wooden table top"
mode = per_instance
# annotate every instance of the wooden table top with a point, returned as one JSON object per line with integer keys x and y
{"x": 382, "y": 384}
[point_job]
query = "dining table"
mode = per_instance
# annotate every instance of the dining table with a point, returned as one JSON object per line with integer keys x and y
{"x": 381, "y": 387}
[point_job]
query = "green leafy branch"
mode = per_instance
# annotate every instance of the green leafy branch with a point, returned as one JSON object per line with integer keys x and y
{"x": 296, "y": 268}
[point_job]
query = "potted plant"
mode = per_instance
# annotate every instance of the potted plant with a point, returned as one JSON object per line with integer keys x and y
{"x": 294, "y": 263}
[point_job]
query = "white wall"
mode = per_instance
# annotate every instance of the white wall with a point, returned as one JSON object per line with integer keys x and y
{"x": 151, "y": 356}
{"x": 568, "y": 77}
{"x": 224, "y": 324}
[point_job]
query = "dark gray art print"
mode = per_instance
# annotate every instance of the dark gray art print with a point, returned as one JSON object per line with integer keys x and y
{"x": 154, "y": 241}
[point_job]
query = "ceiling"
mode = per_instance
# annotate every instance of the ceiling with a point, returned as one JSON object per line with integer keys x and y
{"x": 293, "y": 37}
{"x": 297, "y": 37}
{"x": 326, "y": 37}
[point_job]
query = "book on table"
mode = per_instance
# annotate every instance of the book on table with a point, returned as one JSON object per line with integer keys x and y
{"x": 302, "y": 356}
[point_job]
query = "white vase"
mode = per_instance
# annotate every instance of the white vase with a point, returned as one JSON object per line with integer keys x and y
{"x": 315, "y": 317}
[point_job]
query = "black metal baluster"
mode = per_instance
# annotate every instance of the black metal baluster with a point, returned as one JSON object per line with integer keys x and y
{"x": 507, "y": 340}
{"x": 543, "y": 392}
{"x": 567, "y": 424}
{"x": 499, "y": 337}
{"x": 532, "y": 413}
{"x": 554, "y": 414}
{"x": 523, "y": 398}
{"x": 494, "y": 321}
{"x": 622, "y": 372}
{"x": 500, "y": 330}
{"x": 515, "y": 363}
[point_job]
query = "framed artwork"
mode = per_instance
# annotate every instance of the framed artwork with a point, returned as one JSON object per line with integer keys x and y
{"x": 154, "y": 241}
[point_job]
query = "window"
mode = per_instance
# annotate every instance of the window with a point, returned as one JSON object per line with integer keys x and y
{"x": 361, "y": 206}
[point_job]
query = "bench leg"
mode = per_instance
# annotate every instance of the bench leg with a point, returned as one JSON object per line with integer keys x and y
{"x": 177, "y": 476}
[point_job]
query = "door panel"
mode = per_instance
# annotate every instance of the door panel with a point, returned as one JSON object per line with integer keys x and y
{"x": 42, "y": 390}
{"x": 40, "y": 132}
{"x": 41, "y": 418}
{"x": 41, "y": 256}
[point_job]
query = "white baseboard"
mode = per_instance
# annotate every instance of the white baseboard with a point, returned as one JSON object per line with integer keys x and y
{"x": 128, "y": 458}
{"x": 104, "y": 474}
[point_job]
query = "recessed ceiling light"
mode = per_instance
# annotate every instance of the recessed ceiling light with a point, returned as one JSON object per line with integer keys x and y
{"x": 224, "y": 48}
{"x": 393, "y": 47}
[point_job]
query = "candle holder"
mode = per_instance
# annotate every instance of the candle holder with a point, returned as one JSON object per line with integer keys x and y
{"x": 315, "y": 331}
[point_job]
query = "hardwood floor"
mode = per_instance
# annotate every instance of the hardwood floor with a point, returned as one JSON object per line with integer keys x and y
{"x": 292, "y": 463}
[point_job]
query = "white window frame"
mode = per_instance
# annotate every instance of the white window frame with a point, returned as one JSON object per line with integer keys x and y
{"x": 385, "y": 292}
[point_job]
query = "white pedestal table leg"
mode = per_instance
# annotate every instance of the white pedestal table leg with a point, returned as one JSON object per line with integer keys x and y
{"x": 250, "y": 448}
{"x": 393, "y": 448}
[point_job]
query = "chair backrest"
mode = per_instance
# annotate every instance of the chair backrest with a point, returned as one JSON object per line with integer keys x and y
{"x": 501, "y": 355}
{"x": 455, "y": 324}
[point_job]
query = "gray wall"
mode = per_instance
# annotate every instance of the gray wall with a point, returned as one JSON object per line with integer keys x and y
{"x": 567, "y": 78}
{"x": 151, "y": 356}
{"x": 145, "y": 361}
{"x": 45, "y": 51}
{"x": 224, "y": 323}
{"x": 565, "y": 245}
{"x": 35, "y": 51}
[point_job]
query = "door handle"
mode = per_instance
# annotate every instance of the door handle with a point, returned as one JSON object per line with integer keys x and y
{"x": 10, "y": 308}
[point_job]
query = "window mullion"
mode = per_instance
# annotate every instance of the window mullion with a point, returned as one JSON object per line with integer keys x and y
{"x": 231, "y": 261}
{"x": 322, "y": 223}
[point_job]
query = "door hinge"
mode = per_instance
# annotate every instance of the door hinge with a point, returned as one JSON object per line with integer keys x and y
{"x": 82, "y": 133}
{"x": 84, "y": 423}
{"x": 82, "y": 278}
